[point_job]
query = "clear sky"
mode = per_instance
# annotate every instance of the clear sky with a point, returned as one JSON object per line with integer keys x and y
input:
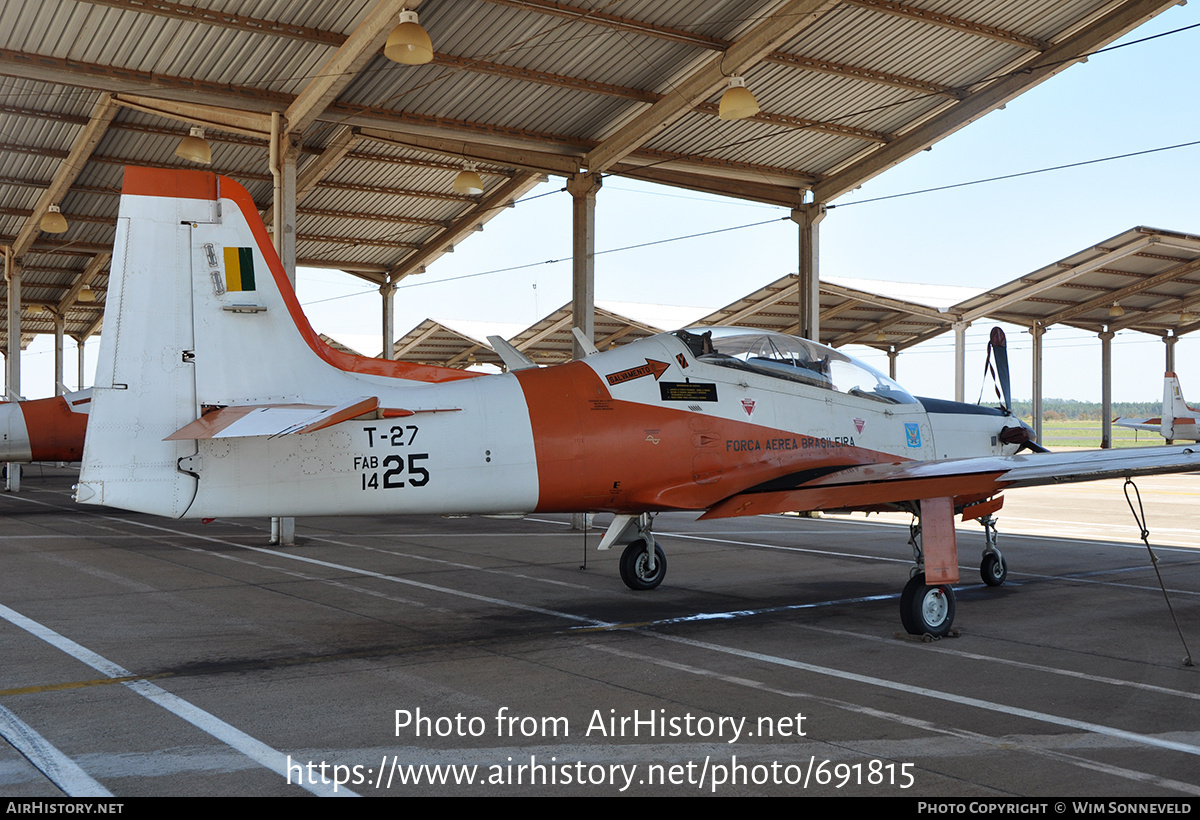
{"x": 1136, "y": 98}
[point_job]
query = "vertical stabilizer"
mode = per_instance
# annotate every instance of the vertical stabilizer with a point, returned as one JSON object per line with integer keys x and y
{"x": 1175, "y": 411}
{"x": 201, "y": 316}
{"x": 145, "y": 382}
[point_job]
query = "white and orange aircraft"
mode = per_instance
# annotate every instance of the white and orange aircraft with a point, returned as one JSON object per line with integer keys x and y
{"x": 1177, "y": 422}
{"x": 44, "y": 429}
{"x": 214, "y": 397}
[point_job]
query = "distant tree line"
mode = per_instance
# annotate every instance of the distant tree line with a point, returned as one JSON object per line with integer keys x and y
{"x": 1072, "y": 410}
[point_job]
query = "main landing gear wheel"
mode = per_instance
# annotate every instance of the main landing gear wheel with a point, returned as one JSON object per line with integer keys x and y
{"x": 635, "y": 571}
{"x": 993, "y": 569}
{"x": 926, "y": 610}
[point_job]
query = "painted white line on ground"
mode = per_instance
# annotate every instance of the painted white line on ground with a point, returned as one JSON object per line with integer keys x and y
{"x": 1033, "y": 667}
{"x": 61, "y": 770}
{"x": 836, "y": 673}
{"x": 950, "y": 697}
{"x": 1007, "y": 742}
{"x": 206, "y": 722}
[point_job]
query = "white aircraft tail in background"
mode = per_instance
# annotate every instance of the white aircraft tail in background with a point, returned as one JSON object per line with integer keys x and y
{"x": 1178, "y": 422}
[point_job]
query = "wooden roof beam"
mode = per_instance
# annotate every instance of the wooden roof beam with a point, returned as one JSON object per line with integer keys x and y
{"x": 1040, "y": 67}
{"x": 959, "y": 24}
{"x": 351, "y": 57}
{"x": 899, "y": 305}
{"x": 488, "y": 207}
{"x": 342, "y": 143}
{"x": 856, "y": 335}
{"x": 94, "y": 268}
{"x": 781, "y": 26}
{"x": 1116, "y": 295}
{"x": 68, "y": 171}
{"x": 993, "y": 304}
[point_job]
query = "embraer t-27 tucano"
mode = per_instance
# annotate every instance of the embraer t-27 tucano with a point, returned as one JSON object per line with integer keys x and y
{"x": 214, "y": 397}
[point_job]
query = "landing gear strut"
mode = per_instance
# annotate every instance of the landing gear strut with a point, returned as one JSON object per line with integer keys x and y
{"x": 643, "y": 563}
{"x": 925, "y": 609}
{"x": 992, "y": 568}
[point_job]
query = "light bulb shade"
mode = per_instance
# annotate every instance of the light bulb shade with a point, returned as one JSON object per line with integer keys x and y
{"x": 1186, "y": 318}
{"x": 194, "y": 148}
{"x": 468, "y": 182}
{"x": 409, "y": 44}
{"x": 1116, "y": 310}
{"x": 35, "y": 310}
{"x": 86, "y": 294}
{"x": 54, "y": 221}
{"x": 737, "y": 102}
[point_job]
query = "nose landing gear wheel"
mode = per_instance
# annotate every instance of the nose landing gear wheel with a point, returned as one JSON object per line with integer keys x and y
{"x": 993, "y": 569}
{"x": 635, "y": 571}
{"x": 926, "y": 610}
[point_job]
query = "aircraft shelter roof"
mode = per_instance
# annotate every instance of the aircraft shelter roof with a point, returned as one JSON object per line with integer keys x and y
{"x": 526, "y": 88}
{"x": 1152, "y": 274}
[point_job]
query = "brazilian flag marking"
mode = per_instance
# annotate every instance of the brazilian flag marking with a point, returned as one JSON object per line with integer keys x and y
{"x": 239, "y": 269}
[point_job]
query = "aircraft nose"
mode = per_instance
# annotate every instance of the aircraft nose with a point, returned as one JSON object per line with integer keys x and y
{"x": 14, "y": 437}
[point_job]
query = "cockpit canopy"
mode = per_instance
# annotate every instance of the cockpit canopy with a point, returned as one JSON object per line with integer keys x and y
{"x": 791, "y": 358}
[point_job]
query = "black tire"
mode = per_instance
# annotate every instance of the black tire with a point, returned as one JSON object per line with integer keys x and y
{"x": 993, "y": 569}
{"x": 927, "y": 610}
{"x": 633, "y": 566}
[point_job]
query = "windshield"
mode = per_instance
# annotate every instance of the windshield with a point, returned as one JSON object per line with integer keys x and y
{"x": 793, "y": 359}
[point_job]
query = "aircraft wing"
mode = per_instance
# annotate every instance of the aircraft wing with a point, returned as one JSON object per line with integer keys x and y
{"x": 964, "y": 479}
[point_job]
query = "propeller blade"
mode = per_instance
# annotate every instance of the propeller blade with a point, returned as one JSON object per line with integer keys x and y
{"x": 998, "y": 348}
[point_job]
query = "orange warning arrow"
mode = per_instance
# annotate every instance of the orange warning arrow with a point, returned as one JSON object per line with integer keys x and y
{"x": 651, "y": 367}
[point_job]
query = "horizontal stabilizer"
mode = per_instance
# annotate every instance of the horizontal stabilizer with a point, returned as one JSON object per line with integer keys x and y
{"x": 244, "y": 421}
{"x": 513, "y": 359}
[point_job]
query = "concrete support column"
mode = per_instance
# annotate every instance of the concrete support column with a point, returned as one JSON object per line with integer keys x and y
{"x": 79, "y": 343}
{"x": 12, "y": 361}
{"x": 388, "y": 292}
{"x": 284, "y": 153}
{"x": 1038, "y": 331}
{"x": 283, "y": 532}
{"x": 583, "y": 188}
{"x": 892, "y": 354}
{"x": 59, "y": 379}
{"x": 12, "y": 358}
{"x": 1106, "y": 388}
{"x": 960, "y": 360}
{"x": 1170, "y": 340}
{"x": 808, "y": 217}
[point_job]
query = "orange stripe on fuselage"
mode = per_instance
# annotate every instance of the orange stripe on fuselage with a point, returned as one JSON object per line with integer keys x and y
{"x": 55, "y": 432}
{"x": 188, "y": 184}
{"x": 598, "y": 454}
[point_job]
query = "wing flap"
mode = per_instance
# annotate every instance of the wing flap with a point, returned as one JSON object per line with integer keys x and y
{"x": 964, "y": 480}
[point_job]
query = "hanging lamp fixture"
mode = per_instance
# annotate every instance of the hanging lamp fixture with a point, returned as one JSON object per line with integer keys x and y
{"x": 409, "y": 44}
{"x": 1116, "y": 311}
{"x": 53, "y": 221}
{"x": 737, "y": 102}
{"x": 468, "y": 182}
{"x": 194, "y": 147}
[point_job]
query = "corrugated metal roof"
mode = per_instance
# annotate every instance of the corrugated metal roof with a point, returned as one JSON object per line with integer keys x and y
{"x": 514, "y": 84}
